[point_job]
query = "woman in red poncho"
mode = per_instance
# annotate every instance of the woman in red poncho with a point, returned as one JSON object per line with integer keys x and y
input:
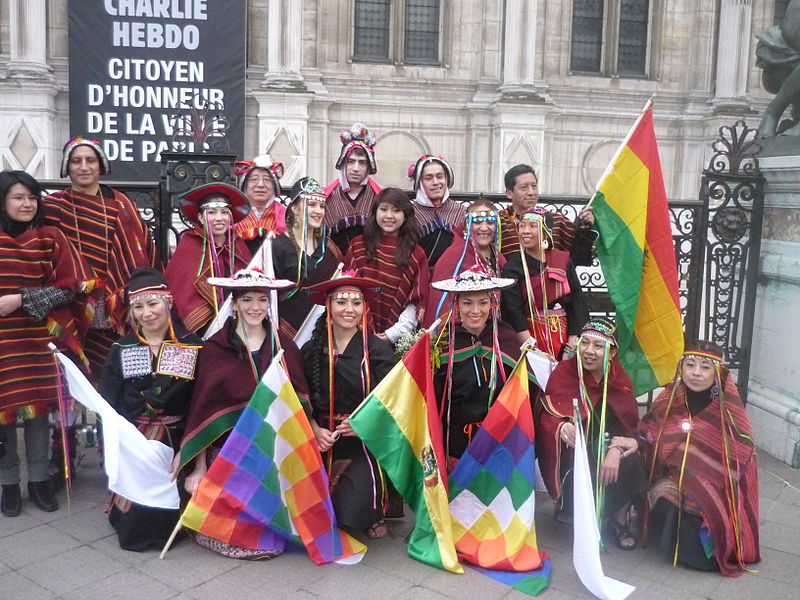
{"x": 230, "y": 365}
{"x": 43, "y": 281}
{"x": 388, "y": 252}
{"x": 704, "y": 482}
{"x": 211, "y": 249}
{"x": 478, "y": 249}
{"x": 610, "y": 418}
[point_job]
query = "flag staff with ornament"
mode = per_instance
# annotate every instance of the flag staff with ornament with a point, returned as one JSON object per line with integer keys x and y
{"x": 637, "y": 256}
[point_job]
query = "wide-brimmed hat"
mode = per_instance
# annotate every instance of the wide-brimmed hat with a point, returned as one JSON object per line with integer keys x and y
{"x": 192, "y": 201}
{"x": 602, "y": 329}
{"x": 250, "y": 279}
{"x": 473, "y": 280}
{"x": 244, "y": 168}
{"x": 319, "y": 291}
{"x": 70, "y": 146}
{"x": 358, "y": 136}
{"x": 415, "y": 170}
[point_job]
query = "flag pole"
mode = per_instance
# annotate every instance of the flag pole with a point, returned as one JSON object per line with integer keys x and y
{"x": 647, "y": 106}
{"x": 170, "y": 540}
{"x": 433, "y": 326}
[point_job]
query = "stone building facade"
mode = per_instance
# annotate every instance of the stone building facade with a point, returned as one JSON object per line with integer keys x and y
{"x": 485, "y": 83}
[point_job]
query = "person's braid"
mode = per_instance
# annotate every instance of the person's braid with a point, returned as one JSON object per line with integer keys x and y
{"x": 314, "y": 353}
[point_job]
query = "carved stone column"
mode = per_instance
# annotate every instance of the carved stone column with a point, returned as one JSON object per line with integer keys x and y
{"x": 284, "y": 44}
{"x": 735, "y": 31}
{"x": 519, "y": 48}
{"x": 28, "y": 56}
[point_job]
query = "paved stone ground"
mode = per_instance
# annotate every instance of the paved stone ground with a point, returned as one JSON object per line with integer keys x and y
{"x": 73, "y": 554}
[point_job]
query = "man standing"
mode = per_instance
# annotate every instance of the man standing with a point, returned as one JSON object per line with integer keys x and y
{"x": 350, "y": 197}
{"x": 436, "y": 213}
{"x": 522, "y": 189}
{"x": 106, "y": 229}
{"x": 260, "y": 180}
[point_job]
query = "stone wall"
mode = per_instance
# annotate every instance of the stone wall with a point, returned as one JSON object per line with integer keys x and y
{"x": 774, "y": 391}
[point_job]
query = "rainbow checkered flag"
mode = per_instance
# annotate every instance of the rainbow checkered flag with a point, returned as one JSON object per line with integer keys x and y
{"x": 268, "y": 487}
{"x": 492, "y": 500}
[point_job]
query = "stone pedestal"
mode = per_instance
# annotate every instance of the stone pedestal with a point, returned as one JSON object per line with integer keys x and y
{"x": 774, "y": 390}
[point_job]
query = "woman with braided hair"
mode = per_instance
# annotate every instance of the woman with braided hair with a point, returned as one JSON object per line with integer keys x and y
{"x": 480, "y": 355}
{"x": 480, "y": 248}
{"x": 343, "y": 363}
{"x": 232, "y": 362}
{"x": 703, "y": 479}
{"x": 148, "y": 379}
{"x": 304, "y": 253}
{"x": 609, "y": 418}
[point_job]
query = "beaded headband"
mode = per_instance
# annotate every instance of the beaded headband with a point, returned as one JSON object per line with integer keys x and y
{"x": 159, "y": 291}
{"x": 347, "y": 295}
{"x": 308, "y": 187}
{"x": 482, "y": 216}
{"x": 600, "y": 329}
{"x": 703, "y": 355}
{"x": 215, "y": 204}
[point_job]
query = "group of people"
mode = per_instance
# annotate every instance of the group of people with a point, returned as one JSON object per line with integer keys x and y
{"x": 341, "y": 278}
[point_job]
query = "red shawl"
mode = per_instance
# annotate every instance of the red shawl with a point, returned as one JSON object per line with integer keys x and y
{"x": 38, "y": 258}
{"x": 196, "y": 300}
{"x": 225, "y": 382}
{"x": 340, "y": 212}
{"x": 109, "y": 234}
{"x": 562, "y": 387}
{"x": 401, "y": 286}
{"x": 707, "y": 477}
{"x": 448, "y": 267}
{"x": 273, "y": 219}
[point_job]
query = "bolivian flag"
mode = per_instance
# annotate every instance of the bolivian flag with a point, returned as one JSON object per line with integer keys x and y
{"x": 637, "y": 257}
{"x": 404, "y": 434}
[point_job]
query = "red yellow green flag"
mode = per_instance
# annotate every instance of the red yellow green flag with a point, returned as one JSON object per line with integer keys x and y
{"x": 637, "y": 257}
{"x": 400, "y": 425}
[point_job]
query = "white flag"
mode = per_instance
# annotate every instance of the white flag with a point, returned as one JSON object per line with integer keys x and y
{"x": 138, "y": 469}
{"x": 586, "y": 541}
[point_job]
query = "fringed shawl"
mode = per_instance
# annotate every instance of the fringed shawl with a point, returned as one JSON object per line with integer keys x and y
{"x": 400, "y": 286}
{"x": 38, "y": 258}
{"x": 562, "y": 387}
{"x": 195, "y": 299}
{"x": 726, "y": 491}
{"x": 225, "y": 382}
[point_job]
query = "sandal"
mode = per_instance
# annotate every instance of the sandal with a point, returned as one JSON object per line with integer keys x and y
{"x": 378, "y": 530}
{"x": 623, "y": 537}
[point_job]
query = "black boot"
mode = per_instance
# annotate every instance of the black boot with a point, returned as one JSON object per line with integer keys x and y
{"x": 40, "y": 494}
{"x": 11, "y": 503}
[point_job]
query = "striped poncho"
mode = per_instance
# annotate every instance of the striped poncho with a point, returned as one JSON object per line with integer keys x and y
{"x": 344, "y": 217}
{"x": 401, "y": 286}
{"x": 438, "y": 227}
{"x": 38, "y": 258}
{"x": 725, "y": 490}
{"x": 111, "y": 237}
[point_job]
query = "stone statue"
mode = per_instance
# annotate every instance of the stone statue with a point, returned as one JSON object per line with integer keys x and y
{"x": 778, "y": 54}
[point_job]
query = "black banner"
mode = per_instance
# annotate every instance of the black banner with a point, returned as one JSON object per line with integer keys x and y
{"x": 152, "y": 75}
